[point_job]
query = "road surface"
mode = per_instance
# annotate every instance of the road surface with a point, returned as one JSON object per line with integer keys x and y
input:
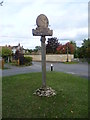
{"x": 76, "y": 69}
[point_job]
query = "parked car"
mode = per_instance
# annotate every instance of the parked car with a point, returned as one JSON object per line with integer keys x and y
{"x": 75, "y": 60}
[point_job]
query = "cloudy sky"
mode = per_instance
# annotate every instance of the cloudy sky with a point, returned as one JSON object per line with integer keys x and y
{"x": 67, "y": 18}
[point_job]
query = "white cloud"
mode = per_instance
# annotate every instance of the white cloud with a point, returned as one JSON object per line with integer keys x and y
{"x": 67, "y": 18}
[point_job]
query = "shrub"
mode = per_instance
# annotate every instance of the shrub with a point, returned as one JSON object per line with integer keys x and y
{"x": 14, "y": 62}
{"x": 28, "y": 60}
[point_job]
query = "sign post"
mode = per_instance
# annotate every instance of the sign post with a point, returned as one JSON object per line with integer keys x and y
{"x": 42, "y": 30}
{"x": 43, "y": 61}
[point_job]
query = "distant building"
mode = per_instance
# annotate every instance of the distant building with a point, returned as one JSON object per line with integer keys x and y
{"x": 15, "y": 48}
{"x": 18, "y": 47}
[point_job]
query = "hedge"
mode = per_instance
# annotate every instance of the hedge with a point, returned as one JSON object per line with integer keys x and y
{"x": 28, "y": 60}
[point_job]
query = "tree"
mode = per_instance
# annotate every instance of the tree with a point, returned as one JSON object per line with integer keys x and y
{"x": 30, "y": 50}
{"x": 6, "y": 53}
{"x": 70, "y": 48}
{"x": 19, "y": 56}
{"x": 75, "y": 48}
{"x": 38, "y": 48}
{"x": 80, "y": 52}
{"x": 84, "y": 50}
{"x": 73, "y": 43}
{"x": 63, "y": 49}
{"x": 51, "y": 46}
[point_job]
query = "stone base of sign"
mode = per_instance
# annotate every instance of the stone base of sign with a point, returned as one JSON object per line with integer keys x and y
{"x": 47, "y": 92}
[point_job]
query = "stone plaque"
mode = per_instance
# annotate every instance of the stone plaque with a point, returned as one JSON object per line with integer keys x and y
{"x": 42, "y": 27}
{"x": 42, "y": 32}
{"x": 42, "y": 21}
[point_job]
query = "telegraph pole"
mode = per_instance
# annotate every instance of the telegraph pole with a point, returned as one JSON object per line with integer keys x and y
{"x": 67, "y": 52}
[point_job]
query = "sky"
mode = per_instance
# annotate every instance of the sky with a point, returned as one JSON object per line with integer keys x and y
{"x": 67, "y": 18}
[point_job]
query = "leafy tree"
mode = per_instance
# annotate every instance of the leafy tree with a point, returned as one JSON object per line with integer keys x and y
{"x": 61, "y": 49}
{"x": 38, "y": 48}
{"x": 51, "y": 46}
{"x": 75, "y": 48}
{"x": 6, "y": 52}
{"x": 68, "y": 47}
{"x": 30, "y": 50}
{"x": 73, "y": 43}
{"x": 80, "y": 52}
{"x": 84, "y": 50}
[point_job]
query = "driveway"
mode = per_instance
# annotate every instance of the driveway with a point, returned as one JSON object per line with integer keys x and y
{"x": 76, "y": 69}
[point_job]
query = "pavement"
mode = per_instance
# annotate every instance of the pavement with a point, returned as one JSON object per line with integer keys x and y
{"x": 80, "y": 69}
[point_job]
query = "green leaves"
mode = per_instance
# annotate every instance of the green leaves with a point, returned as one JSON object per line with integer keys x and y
{"x": 6, "y": 52}
{"x": 52, "y": 45}
{"x": 84, "y": 50}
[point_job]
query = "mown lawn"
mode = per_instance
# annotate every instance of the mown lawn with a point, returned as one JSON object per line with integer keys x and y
{"x": 18, "y": 100}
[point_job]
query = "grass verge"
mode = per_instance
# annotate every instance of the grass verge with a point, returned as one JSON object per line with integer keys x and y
{"x": 70, "y": 62}
{"x": 18, "y": 100}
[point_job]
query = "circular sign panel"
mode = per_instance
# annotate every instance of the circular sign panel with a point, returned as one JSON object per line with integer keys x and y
{"x": 42, "y": 21}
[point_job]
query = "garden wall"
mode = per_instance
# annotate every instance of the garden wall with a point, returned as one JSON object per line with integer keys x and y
{"x": 53, "y": 58}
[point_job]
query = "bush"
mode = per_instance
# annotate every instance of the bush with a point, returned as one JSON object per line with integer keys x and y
{"x": 28, "y": 60}
{"x": 14, "y": 62}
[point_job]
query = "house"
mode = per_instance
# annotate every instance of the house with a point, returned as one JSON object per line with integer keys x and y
{"x": 18, "y": 47}
{"x": 14, "y": 49}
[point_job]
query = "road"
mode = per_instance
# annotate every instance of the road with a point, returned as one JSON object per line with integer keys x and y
{"x": 76, "y": 69}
